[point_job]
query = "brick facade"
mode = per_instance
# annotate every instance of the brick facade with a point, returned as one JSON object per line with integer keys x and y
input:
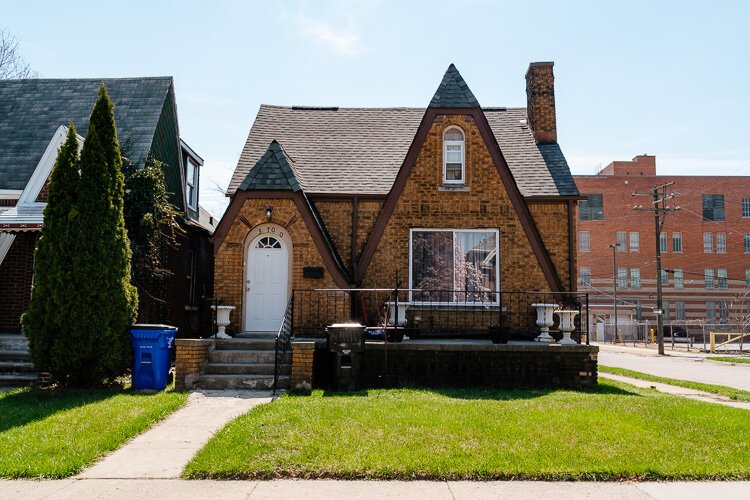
{"x": 190, "y": 356}
{"x": 302, "y": 364}
{"x": 16, "y": 277}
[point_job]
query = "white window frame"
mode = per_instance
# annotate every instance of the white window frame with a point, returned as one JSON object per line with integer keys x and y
{"x": 634, "y": 242}
{"x": 721, "y": 242}
{"x": 679, "y": 278}
{"x": 709, "y": 278}
{"x": 677, "y": 237}
{"x": 708, "y": 242}
{"x": 581, "y": 247}
{"x": 192, "y": 200}
{"x": 447, "y": 143}
{"x": 622, "y": 239}
{"x": 722, "y": 278}
{"x": 495, "y": 295}
{"x": 635, "y": 277}
{"x": 585, "y": 272}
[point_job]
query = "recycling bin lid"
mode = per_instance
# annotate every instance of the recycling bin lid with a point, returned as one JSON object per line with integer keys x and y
{"x": 148, "y": 326}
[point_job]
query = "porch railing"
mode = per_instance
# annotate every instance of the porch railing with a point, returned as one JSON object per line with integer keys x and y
{"x": 283, "y": 342}
{"x": 437, "y": 313}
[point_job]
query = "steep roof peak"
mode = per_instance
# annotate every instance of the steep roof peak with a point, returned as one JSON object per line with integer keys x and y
{"x": 272, "y": 171}
{"x": 453, "y": 92}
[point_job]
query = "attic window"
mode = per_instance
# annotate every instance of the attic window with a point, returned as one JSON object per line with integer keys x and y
{"x": 192, "y": 183}
{"x": 453, "y": 156}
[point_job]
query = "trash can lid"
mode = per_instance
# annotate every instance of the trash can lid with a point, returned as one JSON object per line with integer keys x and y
{"x": 148, "y": 326}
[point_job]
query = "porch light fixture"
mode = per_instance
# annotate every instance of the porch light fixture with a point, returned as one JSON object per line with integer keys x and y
{"x": 269, "y": 212}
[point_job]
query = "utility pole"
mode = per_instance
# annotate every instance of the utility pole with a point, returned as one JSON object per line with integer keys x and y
{"x": 659, "y": 197}
{"x": 614, "y": 247}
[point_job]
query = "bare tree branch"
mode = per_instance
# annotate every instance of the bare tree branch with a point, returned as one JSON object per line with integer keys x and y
{"x": 12, "y": 63}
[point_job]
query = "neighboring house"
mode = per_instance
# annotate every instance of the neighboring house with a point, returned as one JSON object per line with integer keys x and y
{"x": 704, "y": 246}
{"x": 460, "y": 204}
{"x": 34, "y": 115}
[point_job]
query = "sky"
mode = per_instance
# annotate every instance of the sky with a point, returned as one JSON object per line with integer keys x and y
{"x": 664, "y": 78}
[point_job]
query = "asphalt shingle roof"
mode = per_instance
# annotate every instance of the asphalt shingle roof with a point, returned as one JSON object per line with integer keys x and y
{"x": 272, "y": 171}
{"x": 360, "y": 150}
{"x": 453, "y": 92}
{"x": 31, "y": 111}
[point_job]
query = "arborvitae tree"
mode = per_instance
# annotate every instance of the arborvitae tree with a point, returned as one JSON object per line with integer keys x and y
{"x": 46, "y": 320}
{"x": 98, "y": 346}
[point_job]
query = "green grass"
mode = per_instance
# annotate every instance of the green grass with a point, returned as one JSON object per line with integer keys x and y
{"x": 613, "y": 431}
{"x": 729, "y": 359}
{"x": 721, "y": 390}
{"x": 55, "y": 433}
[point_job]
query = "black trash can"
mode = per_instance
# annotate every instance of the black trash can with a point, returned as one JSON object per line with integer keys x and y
{"x": 347, "y": 343}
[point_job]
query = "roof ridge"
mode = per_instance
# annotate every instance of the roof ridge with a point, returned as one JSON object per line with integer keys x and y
{"x": 165, "y": 77}
{"x": 453, "y": 92}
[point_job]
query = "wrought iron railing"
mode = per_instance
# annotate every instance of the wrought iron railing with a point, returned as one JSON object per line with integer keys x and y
{"x": 437, "y": 313}
{"x": 283, "y": 342}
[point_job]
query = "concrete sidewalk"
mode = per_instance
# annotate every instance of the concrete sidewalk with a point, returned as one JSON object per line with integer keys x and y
{"x": 683, "y": 366}
{"x": 324, "y": 490}
{"x": 164, "y": 450}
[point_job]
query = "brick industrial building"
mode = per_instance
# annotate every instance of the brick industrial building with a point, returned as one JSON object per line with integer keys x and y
{"x": 705, "y": 246}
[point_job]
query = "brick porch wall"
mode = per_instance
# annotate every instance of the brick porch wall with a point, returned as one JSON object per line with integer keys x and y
{"x": 16, "y": 277}
{"x": 190, "y": 356}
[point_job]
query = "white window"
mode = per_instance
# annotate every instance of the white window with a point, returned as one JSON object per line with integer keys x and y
{"x": 621, "y": 243}
{"x": 453, "y": 156}
{"x": 708, "y": 242}
{"x": 453, "y": 266}
{"x": 679, "y": 278}
{"x": 721, "y": 242}
{"x": 584, "y": 241}
{"x": 635, "y": 242}
{"x": 663, "y": 242}
{"x": 747, "y": 278}
{"x": 708, "y": 277}
{"x": 664, "y": 277}
{"x": 677, "y": 242}
{"x": 585, "y": 277}
{"x": 679, "y": 313}
{"x": 622, "y": 277}
{"x": 746, "y": 208}
{"x": 747, "y": 242}
{"x": 635, "y": 277}
{"x": 721, "y": 274}
{"x": 192, "y": 183}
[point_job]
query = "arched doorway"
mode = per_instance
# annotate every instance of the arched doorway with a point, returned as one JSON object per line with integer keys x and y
{"x": 266, "y": 283}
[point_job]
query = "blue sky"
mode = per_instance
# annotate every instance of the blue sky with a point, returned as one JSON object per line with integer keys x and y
{"x": 663, "y": 78}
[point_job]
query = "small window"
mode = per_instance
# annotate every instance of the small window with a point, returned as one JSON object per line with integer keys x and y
{"x": 621, "y": 241}
{"x": 747, "y": 242}
{"x": 679, "y": 278}
{"x": 192, "y": 183}
{"x": 724, "y": 310}
{"x": 663, "y": 242}
{"x": 638, "y": 310}
{"x": 711, "y": 310}
{"x": 584, "y": 241}
{"x": 713, "y": 207}
{"x": 708, "y": 243}
{"x": 746, "y": 208}
{"x": 708, "y": 277}
{"x": 635, "y": 242}
{"x": 721, "y": 242}
{"x": 622, "y": 277}
{"x": 721, "y": 274}
{"x": 677, "y": 242}
{"x": 592, "y": 208}
{"x": 585, "y": 277}
{"x": 747, "y": 278}
{"x": 635, "y": 277}
{"x": 664, "y": 277}
{"x": 679, "y": 310}
{"x": 268, "y": 242}
{"x": 453, "y": 156}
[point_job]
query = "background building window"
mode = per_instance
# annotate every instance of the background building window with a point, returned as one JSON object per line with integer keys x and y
{"x": 721, "y": 242}
{"x": 747, "y": 243}
{"x": 664, "y": 277}
{"x": 662, "y": 242}
{"x": 635, "y": 242}
{"x": 622, "y": 277}
{"x": 723, "y": 310}
{"x": 679, "y": 310}
{"x": 708, "y": 277}
{"x": 746, "y": 207}
{"x": 679, "y": 278}
{"x": 585, "y": 277}
{"x": 677, "y": 242}
{"x": 708, "y": 242}
{"x": 711, "y": 311}
{"x": 638, "y": 310}
{"x": 621, "y": 241}
{"x": 721, "y": 274}
{"x": 584, "y": 241}
{"x": 591, "y": 208}
{"x": 453, "y": 156}
{"x": 635, "y": 277}
{"x": 713, "y": 207}
{"x": 747, "y": 278}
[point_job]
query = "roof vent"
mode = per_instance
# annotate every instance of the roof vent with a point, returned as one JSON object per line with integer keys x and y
{"x": 523, "y": 122}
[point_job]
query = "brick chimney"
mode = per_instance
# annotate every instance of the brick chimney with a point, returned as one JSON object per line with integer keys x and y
{"x": 540, "y": 102}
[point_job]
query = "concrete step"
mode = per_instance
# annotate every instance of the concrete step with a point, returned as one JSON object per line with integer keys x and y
{"x": 17, "y": 379}
{"x": 246, "y": 357}
{"x": 12, "y": 342}
{"x": 256, "y": 335}
{"x": 246, "y": 344}
{"x": 14, "y": 367}
{"x": 245, "y": 369}
{"x": 14, "y": 355}
{"x": 257, "y": 382}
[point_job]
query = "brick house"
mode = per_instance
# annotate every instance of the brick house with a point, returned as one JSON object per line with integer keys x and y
{"x": 451, "y": 202}
{"x": 704, "y": 248}
{"x": 33, "y": 119}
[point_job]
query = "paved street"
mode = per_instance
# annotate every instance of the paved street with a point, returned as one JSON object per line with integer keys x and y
{"x": 683, "y": 366}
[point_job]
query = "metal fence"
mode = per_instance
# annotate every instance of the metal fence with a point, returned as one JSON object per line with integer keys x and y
{"x": 682, "y": 335}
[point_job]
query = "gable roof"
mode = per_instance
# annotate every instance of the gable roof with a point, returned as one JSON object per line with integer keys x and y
{"x": 31, "y": 111}
{"x": 273, "y": 171}
{"x": 453, "y": 92}
{"x": 360, "y": 150}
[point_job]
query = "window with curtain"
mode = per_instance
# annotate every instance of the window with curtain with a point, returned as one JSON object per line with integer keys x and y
{"x": 453, "y": 156}
{"x": 721, "y": 242}
{"x": 454, "y": 265}
{"x": 679, "y": 278}
{"x": 662, "y": 242}
{"x": 677, "y": 242}
{"x": 635, "y": 242}
{"x": 635, "y": 277}
{"x": 622, "y": 241}
{"x": 708, "y": 242}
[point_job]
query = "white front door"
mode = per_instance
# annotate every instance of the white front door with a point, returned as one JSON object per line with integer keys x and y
{"x": 266, "y": 284}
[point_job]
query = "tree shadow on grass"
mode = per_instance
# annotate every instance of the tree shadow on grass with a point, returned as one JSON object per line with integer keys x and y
{"x": 29, "y": 405}
{"x": 511, "y": 394}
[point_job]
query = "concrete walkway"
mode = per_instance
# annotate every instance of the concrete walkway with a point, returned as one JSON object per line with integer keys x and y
{"x": 705, "y": 397}
{"x": 324, "y": 490}
{"x": 164, "y": 450}
{"x": 682, "y": 366}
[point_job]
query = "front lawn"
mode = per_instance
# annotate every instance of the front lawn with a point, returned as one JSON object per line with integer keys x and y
{"x": 729, "y": 359}
{"x": 55, "y": 433}
{"x": 613, "y": 431}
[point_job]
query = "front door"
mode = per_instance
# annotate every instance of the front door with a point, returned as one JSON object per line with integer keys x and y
{"x": 266, "y": 284}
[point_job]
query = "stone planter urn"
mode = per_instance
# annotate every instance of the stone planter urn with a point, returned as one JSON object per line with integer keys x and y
{"x": 222, "y": 320}
{"x": 567, "y": 325}
{"x": 544, "y": 320}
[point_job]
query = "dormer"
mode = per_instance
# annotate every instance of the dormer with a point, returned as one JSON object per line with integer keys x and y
{"x": 192, "y": 164}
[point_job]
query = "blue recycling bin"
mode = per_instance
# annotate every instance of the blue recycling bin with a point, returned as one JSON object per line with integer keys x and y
{"x": 152, "y": 346}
